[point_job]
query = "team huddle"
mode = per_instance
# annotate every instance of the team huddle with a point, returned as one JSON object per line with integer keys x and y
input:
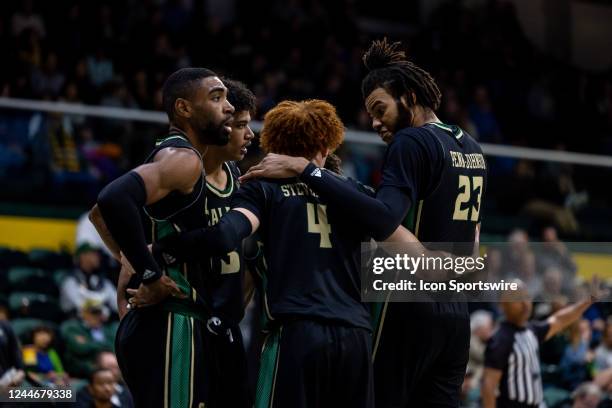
{"x": 295, "y": 224}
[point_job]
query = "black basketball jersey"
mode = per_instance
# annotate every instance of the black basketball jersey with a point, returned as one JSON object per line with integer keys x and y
{"x": 226, "y": 272}
{"x": 443, "y": 170}
{"x": 312, "y": 256}
{"x": 173, "y": 214}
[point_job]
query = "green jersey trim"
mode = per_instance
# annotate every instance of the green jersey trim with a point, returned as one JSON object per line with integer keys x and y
{"x": 229, "y": 187}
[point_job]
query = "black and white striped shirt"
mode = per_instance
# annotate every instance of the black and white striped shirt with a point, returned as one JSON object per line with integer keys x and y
{"x": 515, "y": 351}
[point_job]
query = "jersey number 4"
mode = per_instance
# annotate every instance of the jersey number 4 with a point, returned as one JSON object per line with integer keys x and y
{"x": 317, "y": 223}
{"x": 467, "y": 187}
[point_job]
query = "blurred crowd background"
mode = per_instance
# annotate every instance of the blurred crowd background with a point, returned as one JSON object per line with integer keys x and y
{"x": 496, "y": 84}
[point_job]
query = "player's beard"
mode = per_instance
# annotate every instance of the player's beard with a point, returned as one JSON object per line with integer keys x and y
{"x": 404, "y": 117}
{"x": 213, "y": 133}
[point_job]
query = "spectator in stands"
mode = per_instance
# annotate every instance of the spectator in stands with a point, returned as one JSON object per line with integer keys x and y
{"x": 552, "y": 283}
{"x": 88, "y": 282}
{"x": 481, "y": 325}
{"x": 108, "y": 361}
{"x": 554, "y": 253}
{"x": 481, "y": 113}
{"x": 99, "y": 391}
{"x": 86, "y": 337}
{"x": 100, "y": 68}
{"x": 48, "y": 81}
{"x": 602, "y": 362}
{"x": 573, "y": 364}
{"x": 26, "y": 19}
{"x": 527, "y": 272}
{"x": 11, "y": 365}
{"x": 41, "y": 361}
{"x": 587, "y": 395}
{"x": 513, "y": 254}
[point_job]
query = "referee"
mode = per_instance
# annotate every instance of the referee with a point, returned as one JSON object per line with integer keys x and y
{"x": 512, "y": 376}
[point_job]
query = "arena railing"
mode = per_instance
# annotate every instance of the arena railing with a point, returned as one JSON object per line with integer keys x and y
{"x": 355, "y": 136}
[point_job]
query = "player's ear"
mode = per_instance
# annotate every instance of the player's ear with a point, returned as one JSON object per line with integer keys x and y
{"x": 182, "y": 108}
{"x": 408, "y": 100}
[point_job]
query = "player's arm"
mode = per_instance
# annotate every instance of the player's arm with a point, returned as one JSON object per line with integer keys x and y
{"x": 490, "y": 381}
{"x": 95, "y": 216}
{"x": 202, "y": 243}
{"x": 240, "y": 222}
{"x": 403, "y": 235}
{"x": 569, "y": 314}
{"x": 120, "y": 203}
{"x": 252, "y": 253}
{"x": 409, "y": 167}
{"x": 378, "y": 216}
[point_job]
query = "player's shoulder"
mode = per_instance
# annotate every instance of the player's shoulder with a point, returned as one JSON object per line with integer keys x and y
{"x": 175, "y": 147}
{"x": 416, "y": 142}
{"x": 415, "y": 137}
{"x": 183, "y": 161}
{"x": 264, "y": 184}
{"x": 409, "y": 134}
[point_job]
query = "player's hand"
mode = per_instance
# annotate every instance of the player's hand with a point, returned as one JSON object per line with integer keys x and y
{"x": 276, "y": 166}
{"x": 154, "y": 292}
{"x": 596, "y": 291}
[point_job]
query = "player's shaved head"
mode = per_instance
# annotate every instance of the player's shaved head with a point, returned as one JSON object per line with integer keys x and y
{"x": 302, "y": 129}
{"x": 181, "y": 85}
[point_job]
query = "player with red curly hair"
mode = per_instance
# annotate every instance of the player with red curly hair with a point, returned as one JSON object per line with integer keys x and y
{"x": 302, "y": 129}
{"x": 318, "y": 352}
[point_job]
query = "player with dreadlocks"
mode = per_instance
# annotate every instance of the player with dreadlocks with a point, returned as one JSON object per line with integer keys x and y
{"x": 434, "y": 177}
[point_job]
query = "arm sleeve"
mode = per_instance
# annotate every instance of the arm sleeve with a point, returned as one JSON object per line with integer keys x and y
{"x": 120, "y": 203}
{"x": 384, "y": 212}
{"x": 202, "y": 243}
{"x": 410, "y": 164}
{"x": 540, "y": 330}
{"x": 497, "y": 352}
{"x": 218, "y": 240}
{"x": 252, "y": 196}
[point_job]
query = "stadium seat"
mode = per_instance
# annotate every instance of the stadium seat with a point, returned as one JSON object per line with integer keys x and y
{"x": 78, "y": 383}
{"x": 23, "y": 327}
{"x": 59, "y": 275}
{"x": 44, "y": 258}
{"x": 36, "y": 305}
{"x": 10, "y": 257}
{"x": 554, "y": 396}
{"x": 32, "y": 280}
